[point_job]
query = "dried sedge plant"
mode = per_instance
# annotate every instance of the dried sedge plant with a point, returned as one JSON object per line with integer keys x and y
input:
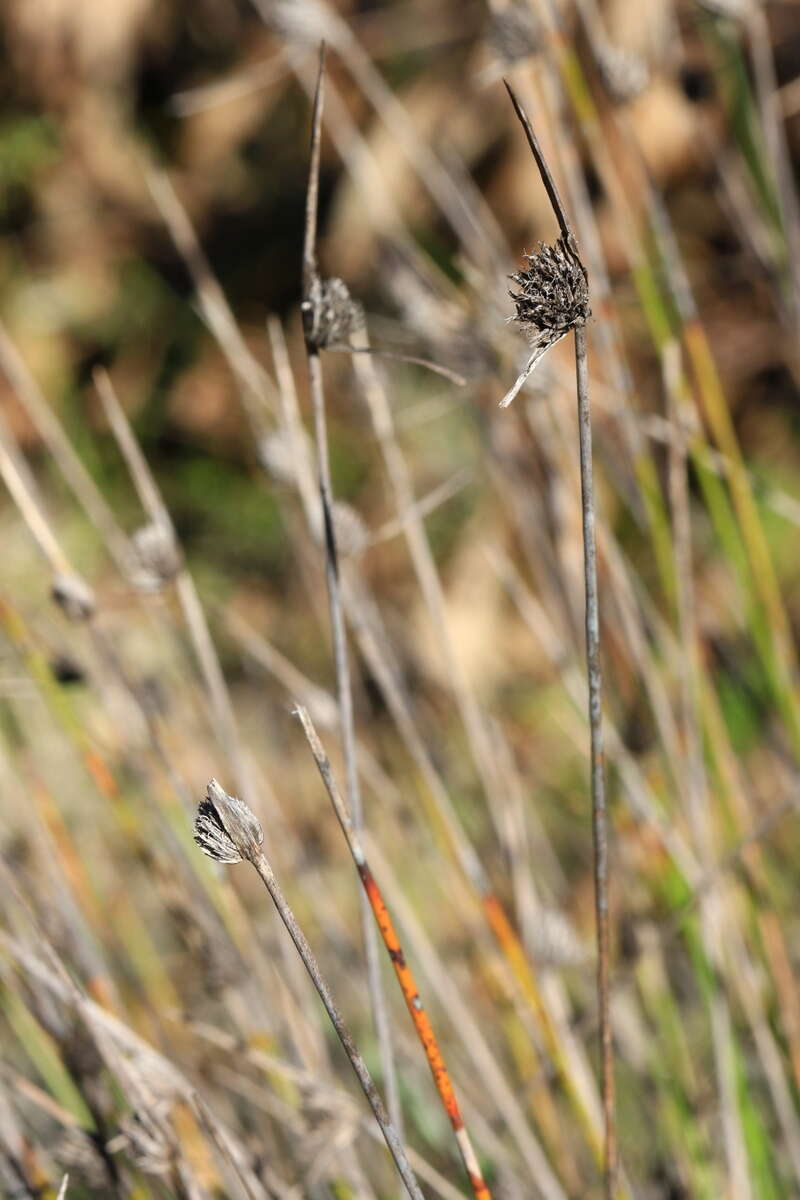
{"x": 554, "y": 299}
{"x": 330, "y": 314}
{"x": 403, "y": 972}
{"x": 326, "y": 310}
{"x": 227, "y": 831}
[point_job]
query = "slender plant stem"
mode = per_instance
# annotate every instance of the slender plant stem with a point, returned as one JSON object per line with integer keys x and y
{"x": 359, "y": 1066}
{"x": 405, "y": 976}
{"x": 338, "y": 632}
{"x": 599, "y": 807}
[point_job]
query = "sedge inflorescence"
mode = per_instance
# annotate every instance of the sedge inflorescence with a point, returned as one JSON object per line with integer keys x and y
{"x": 553, "y": 298}
{"x": 553, "y": 294}
{"x": 330, "y": 314}
{"x": 225, "y": 828}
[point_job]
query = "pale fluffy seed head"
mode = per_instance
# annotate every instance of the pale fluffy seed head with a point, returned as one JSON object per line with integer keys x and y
{"x": 225, "y": 828}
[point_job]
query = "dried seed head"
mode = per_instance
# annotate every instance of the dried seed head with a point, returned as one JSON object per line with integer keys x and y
{"x": 73, "y": 596}
{"x": 158, "y": 557}
{"x": 624, "y": 73}
{"x": 330, "y": 314}
{"x": 225, "y": 829}
{"x": 553, "y": 298}
{"x": 553, "y": 294}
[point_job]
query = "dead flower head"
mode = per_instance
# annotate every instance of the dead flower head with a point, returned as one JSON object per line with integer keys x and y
{"x": 158, "y": 557}
{"x": 624, "y": 73}
{"x": 73, "y": 597}
{"x": 554, "y": 294}
{"x": 225, "y": 828}
{"x": 553, "y": 298}
{"x": 330, "y": 314}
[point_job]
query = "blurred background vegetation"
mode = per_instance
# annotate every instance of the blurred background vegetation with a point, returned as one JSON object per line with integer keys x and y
{"x": 674, "y": 129}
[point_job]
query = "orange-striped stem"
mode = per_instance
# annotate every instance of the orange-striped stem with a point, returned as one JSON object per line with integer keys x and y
{"x": 405, "y": 976}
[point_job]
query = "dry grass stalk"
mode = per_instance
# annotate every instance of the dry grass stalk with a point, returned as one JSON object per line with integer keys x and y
{"x": 328, "y": 310}
{"x": 405, "y": 977}
{"x": 565, "y": 299}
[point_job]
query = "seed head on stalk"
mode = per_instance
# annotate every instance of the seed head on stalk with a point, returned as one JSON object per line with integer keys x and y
{"x": 225, "y": 828}
{"x": 228, "y": 831}
{"x": 552, "y": 299}
{"x": 330, "y": 314}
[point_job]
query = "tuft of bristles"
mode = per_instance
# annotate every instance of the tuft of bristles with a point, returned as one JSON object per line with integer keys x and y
{"x": 330, "y": 314}
{"x": 553, "y": 298}
{"x": 158, "y": 557}
{"x": 553, "y": 294}
{"x": 624, "y": 73}
{"x": 225, "y": 828}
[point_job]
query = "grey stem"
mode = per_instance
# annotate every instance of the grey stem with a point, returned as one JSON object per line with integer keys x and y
{"x": 599, "y": 807}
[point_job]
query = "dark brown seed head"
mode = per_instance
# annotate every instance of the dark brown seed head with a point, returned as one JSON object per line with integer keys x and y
{"x": 553, "y": 294}
{"x": 330, "y": 314}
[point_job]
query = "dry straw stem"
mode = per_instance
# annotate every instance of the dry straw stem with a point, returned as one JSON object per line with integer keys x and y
{"x": 316, "y": 319}
{"x": 227, "y": 831}
{"x": 374, "y": 647}
{"x": 499, "y": 923}
{"x": 599, "y": 810}
{"x": 405, "y": 977}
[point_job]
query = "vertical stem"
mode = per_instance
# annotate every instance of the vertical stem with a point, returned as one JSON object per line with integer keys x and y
{"x": 403, "y": 972}
{"x": 339, "y": 637}
{"x": 347, "y": 727}
{"x": 599, "y": 809}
